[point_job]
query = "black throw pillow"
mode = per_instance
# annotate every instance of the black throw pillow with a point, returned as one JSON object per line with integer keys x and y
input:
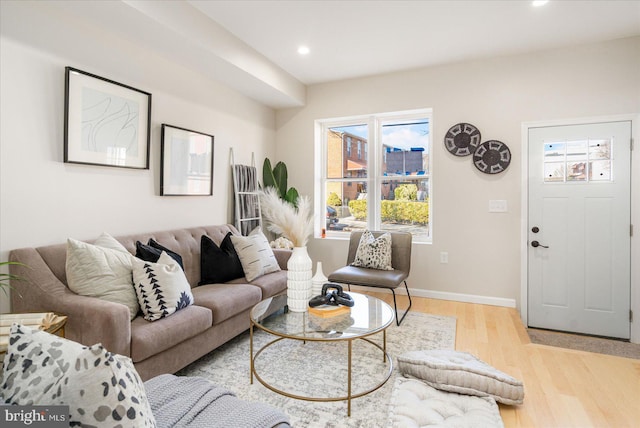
{"x": 151, "y": 252}
{"x": 218, "y": 264}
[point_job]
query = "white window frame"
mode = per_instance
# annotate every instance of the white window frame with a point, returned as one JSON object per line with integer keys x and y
{"x": 374, "y": 158}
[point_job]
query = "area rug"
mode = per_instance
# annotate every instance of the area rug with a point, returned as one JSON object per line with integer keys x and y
{"x": 320, "y": 369}
{"x": 580, "y": 342}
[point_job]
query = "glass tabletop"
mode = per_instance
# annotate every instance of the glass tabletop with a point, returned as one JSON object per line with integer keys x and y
{"x": 368, "y": 315}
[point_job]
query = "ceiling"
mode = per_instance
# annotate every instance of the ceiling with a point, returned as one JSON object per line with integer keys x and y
{"x": 351, "y": 39}
{"x": 251, "y": 46}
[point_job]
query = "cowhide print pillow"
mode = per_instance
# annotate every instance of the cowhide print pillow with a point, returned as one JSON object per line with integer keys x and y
{"x": 374, "y": 253}
{"x": 101, "y": 388}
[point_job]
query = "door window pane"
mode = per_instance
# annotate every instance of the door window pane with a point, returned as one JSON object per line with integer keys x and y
{"x": 554, "y": 171}
{"x": 600, "y": 149}
{"x": 576, "y": 171}
{"x": 600, "y": 170}
{"x": 576, "y": 150}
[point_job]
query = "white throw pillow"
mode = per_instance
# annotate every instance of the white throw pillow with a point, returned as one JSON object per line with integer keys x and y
{"x": 255, "y": 254}
{"x": 374, "y": 253}
{"x": 162, "y": 288}
{"x": 102, "y": 270}
{"x": 100, "y": 388}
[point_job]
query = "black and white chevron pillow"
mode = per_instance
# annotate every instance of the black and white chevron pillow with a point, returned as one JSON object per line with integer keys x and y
{"x": 162, "y": 288}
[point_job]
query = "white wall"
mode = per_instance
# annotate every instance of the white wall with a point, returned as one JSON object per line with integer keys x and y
{"x": 497, "y": 96}
{"x": 44, "y": 201}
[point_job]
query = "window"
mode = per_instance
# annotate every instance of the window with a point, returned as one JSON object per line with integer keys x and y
{"x": 579, "y": 161}
{"x": 387, "y": 186}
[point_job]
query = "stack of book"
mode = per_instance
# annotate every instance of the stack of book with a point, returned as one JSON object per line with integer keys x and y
{"x": 325, "y": 311}
{"x": 46, "y": 321}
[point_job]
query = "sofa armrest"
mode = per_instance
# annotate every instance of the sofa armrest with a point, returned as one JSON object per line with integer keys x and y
{"x": 282, "y": 256}
{"x": 89, "y": 320}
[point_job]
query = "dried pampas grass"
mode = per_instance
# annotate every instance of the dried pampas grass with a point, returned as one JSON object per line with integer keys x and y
{"x": 295, "y": 224}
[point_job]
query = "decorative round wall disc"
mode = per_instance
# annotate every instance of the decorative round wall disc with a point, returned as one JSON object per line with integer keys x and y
{"x": 492, "y": 157}
{"x": 462, "y": 139}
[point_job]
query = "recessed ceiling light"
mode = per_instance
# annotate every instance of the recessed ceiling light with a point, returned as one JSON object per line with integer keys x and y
{"x": 538, "y": 3}
{"x": 303, "y": 50}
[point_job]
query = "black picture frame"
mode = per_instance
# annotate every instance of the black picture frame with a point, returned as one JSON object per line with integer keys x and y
{"x": 186, "y": 162}
{"x": 105, "y": 122}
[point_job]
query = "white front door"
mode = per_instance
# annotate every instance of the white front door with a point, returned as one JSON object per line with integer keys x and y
{"x": 579, "y": 221}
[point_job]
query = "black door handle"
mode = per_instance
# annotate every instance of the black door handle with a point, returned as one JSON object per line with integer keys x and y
{"x": 536, "y": 244}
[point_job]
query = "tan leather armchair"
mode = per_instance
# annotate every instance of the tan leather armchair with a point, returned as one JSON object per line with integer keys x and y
{"x": 390, "y": 279}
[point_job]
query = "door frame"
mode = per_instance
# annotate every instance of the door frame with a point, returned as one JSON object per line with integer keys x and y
{"x": 635, "y": 210}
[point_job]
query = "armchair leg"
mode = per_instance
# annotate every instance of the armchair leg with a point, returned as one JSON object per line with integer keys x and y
{"x": 395, "y": 305}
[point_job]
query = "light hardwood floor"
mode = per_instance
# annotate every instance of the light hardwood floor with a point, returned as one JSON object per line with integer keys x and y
{"x": 563, "y": 388}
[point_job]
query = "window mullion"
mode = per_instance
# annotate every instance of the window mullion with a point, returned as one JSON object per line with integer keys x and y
{"x": 373, "y": 193}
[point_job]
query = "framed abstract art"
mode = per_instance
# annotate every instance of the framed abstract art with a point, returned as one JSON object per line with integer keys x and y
{"x": 105, "y": 122}
{"x": 186, "y": 162}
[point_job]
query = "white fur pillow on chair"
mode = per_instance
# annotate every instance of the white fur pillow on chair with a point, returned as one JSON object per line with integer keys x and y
{"x": 461, "y": 372}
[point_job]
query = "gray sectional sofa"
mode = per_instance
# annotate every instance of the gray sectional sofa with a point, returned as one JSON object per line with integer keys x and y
{"x": 219, "y": 313}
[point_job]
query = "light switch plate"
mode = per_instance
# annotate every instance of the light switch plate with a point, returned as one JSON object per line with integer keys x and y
{"x": 497, "y": 206}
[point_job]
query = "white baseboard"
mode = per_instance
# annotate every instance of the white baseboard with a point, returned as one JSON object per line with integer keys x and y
{"x": 443, "y": 295}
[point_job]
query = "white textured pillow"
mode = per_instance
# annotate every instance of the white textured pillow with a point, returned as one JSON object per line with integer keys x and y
{"x": 255, "y": 254}
{"x": 374, "y": 253}
{"x": 102, "y": 270}
{"x": 100, "y": 388}
{"x": 416, "y": 404}
{"x": 162, "y": 288}
{"x": 461, "y": 372}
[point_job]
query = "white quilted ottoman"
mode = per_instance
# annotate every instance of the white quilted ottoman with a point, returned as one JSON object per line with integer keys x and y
{"x": 414, "y": 404}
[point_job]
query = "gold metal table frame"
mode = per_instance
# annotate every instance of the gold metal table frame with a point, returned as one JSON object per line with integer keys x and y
{"x": 261, "y": 315}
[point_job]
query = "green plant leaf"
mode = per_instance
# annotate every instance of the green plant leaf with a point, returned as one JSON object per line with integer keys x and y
{"x": 6, "y": 277}
{"x": 280, "y": 175}
{"x": 292, "y": 197}
{"x": 268, "y": 179}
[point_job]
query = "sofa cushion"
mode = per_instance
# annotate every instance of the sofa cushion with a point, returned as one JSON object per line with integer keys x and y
{"x": 149, "y": 338}
{"x": 102, "y": 270}
{"x": 226, "y": 300}
{"x": 270, "y": 284}
{"x": 151, "y": 251}
{"x": 100, "y": 388}
{"x": 218, "y": 264}
{"x": 162, "y": 287}
{"x": 461, "y": 372}
{"x": 255, "y": 253}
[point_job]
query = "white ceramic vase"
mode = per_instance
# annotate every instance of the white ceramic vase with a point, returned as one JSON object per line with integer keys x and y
{"x": 299, "y": 274}
{"x": 318, "y": 280}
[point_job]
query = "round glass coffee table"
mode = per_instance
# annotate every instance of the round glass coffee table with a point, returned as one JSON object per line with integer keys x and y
{"x": 367, "y": 317}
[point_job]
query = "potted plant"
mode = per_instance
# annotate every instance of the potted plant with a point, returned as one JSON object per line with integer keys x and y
{"x": 277, "y": 178}
{"x": 5, "y": 285}
{"x": 294, "y": 222}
